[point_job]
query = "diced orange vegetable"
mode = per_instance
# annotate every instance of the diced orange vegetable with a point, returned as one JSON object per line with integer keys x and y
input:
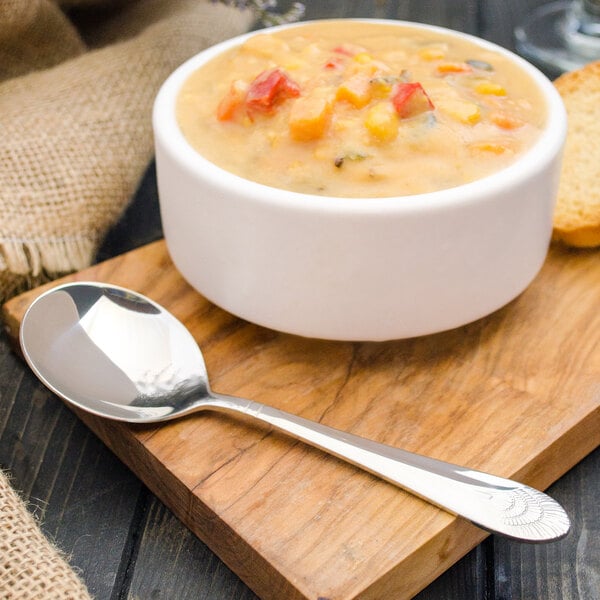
{"x": 491, "y": 147}
{"x": 355, "y": 90}
{"x": 233, "y": 100}
{"x": 505, "y": 121}
{"x": 309, "y": 118}
{"x": 382, "y": 121}
{"x": 453, "y": 67}
{"x": 270, "y": 88}
{"x": 410, "y": 100}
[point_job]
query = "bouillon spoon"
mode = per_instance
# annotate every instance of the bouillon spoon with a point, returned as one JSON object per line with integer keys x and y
{"x": 119, "y": 355}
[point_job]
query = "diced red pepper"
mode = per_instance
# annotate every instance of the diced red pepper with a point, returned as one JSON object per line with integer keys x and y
{"x": 410, "y": 99}
{"x": 269, "y": 88}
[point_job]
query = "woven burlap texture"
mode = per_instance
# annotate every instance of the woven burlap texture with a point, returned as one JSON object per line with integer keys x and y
{"x": 75, "y": 121}
{"x": 75, "y": 138}
{"x": 31, "y": 567}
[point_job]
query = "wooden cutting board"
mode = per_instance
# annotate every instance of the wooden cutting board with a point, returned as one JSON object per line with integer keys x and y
{"x": 516, "y": 394}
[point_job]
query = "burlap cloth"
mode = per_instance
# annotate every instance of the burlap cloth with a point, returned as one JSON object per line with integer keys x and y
{"x": 75, "y": 128}
{"x": 77, "y": 83}
{"x": 30, "y": 566}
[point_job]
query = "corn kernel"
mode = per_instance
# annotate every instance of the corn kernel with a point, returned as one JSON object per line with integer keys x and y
{"x": 464, "y": 112}
{"x": 362, "y": 58}
{"x": 294, "y": 65}
{"x": 382, "y": 122}
{"x": 381, "y": 87}
{"x": 490, "y": 88}
{"x": 432, "y": 53}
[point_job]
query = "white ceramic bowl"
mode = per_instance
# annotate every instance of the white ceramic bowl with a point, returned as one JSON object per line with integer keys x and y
{"x": 347, "y": 269}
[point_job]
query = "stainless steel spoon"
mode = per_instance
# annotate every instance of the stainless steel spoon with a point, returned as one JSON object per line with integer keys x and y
{"x": 120, "y": 355}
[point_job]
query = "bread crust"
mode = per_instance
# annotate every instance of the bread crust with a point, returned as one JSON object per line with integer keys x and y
{"x": 577, "y": 212}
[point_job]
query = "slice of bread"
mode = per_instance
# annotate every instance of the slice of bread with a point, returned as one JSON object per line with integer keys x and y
{"x": 577, "y": 213}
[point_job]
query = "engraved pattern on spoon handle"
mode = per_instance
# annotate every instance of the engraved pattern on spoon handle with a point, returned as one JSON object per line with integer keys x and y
{"x": 494, "y": 503}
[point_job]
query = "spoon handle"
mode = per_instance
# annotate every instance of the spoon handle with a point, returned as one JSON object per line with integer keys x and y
{"x": 493, "y": 503}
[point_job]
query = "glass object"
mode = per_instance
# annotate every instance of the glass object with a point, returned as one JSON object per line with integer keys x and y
{"x": 561, "y": 36}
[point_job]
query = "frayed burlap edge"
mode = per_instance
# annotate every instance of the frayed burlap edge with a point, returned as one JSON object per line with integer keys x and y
{"x": 77, "y": 139}
{"x": 22, "y": 262}
{"x": 31, "y": 568}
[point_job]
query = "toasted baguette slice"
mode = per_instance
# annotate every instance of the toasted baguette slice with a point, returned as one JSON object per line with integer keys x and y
{"x": 577, "y": 213}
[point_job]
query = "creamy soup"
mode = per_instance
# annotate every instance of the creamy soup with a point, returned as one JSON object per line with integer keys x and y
{"x": 360, "y": 110}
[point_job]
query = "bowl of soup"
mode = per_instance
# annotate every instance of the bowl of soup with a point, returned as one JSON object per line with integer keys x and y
{"x": 360, "y": 180}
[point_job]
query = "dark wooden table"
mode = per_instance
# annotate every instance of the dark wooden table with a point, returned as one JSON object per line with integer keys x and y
{"x": 127, "y": 544}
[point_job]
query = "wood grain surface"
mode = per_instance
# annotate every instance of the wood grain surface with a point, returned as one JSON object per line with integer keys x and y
{"x": 516, "y": 394}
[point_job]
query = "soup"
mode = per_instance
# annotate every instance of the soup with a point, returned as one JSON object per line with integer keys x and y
{"x": 358, "y": 109}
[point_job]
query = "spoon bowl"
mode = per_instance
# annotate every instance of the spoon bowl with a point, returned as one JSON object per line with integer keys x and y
{"x": 119, "y": 355}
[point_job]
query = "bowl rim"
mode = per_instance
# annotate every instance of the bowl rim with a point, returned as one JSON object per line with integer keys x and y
{"x": 168, "y": 133}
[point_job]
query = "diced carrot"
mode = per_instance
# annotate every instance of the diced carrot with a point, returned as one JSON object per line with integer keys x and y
{"x": 489, "y": 147}
{"x": 270, "y": 88}
{"x": 233, "y": 99}
{"x": 410, "y": 99}
{"x": 505, "y": 121}
{"x": 226, "y": 108}
{"x": 355, "y": 90}
{"x": 453, "y": 67}
{"x": 309, "y": 118}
